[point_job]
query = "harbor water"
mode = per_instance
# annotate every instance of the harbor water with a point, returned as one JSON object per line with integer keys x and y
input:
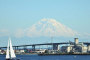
{"x": 50, "y": 57}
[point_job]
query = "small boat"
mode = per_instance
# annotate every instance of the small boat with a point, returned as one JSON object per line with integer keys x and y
{"x": 74, "y": 56}
{"x": 12, "y": 54}
{"x": 1, "y": 53}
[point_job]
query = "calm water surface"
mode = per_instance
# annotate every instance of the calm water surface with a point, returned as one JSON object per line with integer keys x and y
{"x": 51, "y": 57}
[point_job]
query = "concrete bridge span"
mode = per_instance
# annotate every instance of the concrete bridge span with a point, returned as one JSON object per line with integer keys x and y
{"x": 54, "y": 45}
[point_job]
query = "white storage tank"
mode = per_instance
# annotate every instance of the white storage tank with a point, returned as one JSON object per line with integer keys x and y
{"x": 76, "y": 40}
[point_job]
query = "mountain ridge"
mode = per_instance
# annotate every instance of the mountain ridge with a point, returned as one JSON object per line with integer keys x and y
{"x": 50, "y": 27}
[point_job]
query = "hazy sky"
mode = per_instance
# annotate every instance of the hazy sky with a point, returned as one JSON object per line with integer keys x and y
{"x": 21, "y": 14}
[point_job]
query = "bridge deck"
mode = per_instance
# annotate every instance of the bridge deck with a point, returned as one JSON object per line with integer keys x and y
{"x": 86, "y": 43}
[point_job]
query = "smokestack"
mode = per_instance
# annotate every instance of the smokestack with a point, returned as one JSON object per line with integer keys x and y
{"x": 76, "y": 40}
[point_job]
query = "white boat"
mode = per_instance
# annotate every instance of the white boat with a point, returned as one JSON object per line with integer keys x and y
{"x": 74, "y": 56}
{"x": 1, "y": 53}
{"x": 11, "y": 55}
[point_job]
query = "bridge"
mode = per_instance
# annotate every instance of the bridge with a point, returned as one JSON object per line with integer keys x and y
{"x": 55, "y": 45}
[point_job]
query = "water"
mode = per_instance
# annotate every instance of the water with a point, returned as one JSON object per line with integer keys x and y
{"x": 50, "y": 57}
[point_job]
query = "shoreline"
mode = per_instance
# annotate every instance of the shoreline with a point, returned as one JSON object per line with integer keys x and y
{"x": 50, "y": 54}
{"x": 62, "y": 54}
{"x": 23, "y": 54}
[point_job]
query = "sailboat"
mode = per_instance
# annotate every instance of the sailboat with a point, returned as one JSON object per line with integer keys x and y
{"x": 12, "y": 54}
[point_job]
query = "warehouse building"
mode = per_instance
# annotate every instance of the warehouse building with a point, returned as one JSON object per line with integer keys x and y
{"x": 75, "y": 47}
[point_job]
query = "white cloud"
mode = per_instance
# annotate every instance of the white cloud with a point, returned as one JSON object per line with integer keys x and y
{"x": 4, "y": 32}
{"x": 19, "y": 33}
{"x": 87, "y": 34}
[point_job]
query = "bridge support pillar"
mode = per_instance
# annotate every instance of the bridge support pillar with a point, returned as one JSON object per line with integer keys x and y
{"x": 55, "y": 47}
{"x": 33, "y": 47}
{"x": 17, "y": 48}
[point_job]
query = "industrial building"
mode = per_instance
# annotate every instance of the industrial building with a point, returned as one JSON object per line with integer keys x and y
{"x": 76, "y": 47}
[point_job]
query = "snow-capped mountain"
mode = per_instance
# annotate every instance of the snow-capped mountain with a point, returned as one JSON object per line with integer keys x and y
{"x": 50, "y": 27}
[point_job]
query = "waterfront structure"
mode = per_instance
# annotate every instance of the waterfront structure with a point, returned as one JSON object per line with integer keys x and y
{"x": 88, "y": 48}
{"x": 75, "y": 47}
{"x": 76, "y": 40}
{"x": 40, "y": 51}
